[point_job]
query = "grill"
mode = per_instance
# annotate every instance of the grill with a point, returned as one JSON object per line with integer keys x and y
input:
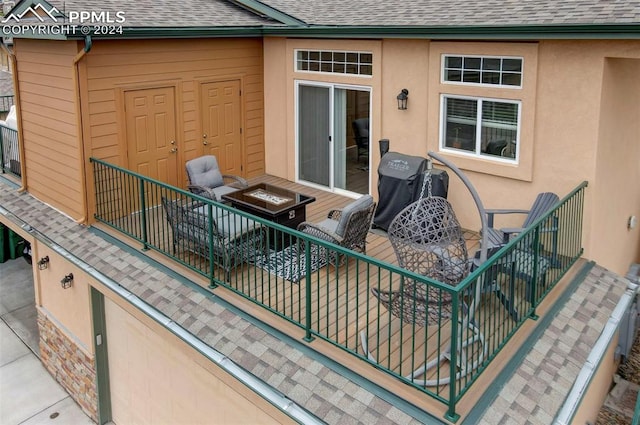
{"x": 400, "y": 179}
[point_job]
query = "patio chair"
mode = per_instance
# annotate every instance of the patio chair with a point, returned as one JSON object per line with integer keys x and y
{"x": 542, "y": 204}
{"x": 347, "y": 227}
{"x": 205, "y": 178}
{"x": 361, "y": 136}
{"x": 236, "y": 239}
{"x": 427, "y": 239}
{"x": 519, "y": 263}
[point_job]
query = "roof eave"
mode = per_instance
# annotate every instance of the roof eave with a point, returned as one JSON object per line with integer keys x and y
{"x": 512, "y": 32}
{"x": 488, "y": 32}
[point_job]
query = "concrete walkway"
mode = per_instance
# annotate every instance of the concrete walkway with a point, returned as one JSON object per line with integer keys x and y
{"x": 28, "y": 393}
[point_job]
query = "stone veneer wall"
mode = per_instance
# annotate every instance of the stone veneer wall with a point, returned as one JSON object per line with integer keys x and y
{"x": 69, "y": 365}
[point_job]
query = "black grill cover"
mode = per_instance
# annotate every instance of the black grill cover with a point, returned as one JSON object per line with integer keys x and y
{"x": 400, "y": 183}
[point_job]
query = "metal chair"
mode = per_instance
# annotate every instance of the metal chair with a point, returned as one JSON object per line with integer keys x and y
{"x": 361, "y": 136}
{"x": 205, "y": 178}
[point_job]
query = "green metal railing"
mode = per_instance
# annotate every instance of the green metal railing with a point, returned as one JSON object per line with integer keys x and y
{"x": 6, "y": 102}
{"x": 9, "y": 152}
{"x": 326, "y": 290}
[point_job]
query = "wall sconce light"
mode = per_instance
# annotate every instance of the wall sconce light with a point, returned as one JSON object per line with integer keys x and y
{"x": 67, "y": 281}
{"x": 43, "y": 263}
{"x": 402, "y": 99}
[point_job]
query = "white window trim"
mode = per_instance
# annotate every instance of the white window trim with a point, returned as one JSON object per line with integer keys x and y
{"x": 303, "y": 71}
{"x": 477, "y": 154}
{"x": 462, "y": 83}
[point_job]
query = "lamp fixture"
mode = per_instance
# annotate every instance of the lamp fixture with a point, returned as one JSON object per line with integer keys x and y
{"x": 67, "y": 281}
{"x": 43, "y": 263}
{"x": 402, "y": 99}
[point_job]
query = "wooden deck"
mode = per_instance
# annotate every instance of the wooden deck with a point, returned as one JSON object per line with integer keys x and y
{"x": 343, "y": 308}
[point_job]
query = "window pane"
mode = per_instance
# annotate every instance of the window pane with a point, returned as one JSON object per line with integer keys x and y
{"x": 326, "y": 67}
{"x": 460, "y": 123}
{"x": 491, "y": 78}
{"x": 351, "y": 68}
{"x": 471, "y": 63}
{"x": 339, "y": 56}
{"x": 314, "y": 66}
{"x": 314, "y": 56}
{"x": 453, "y": 62}
{"x": 366, "y": 58}
{"x": 303, "y": 55}
{"x": 352, "y": 57}
{"x": 511, "y": 79}
{"x": 366, "y": 70}
{"x": 491, "y": 64}
{"x": 338, "y": 67}
{"x": 327, "y": 56}
{"x": 514, "y": 65}
{"x": 471, "y": 77}
{"x": 453, "y": 75}
{"x": 302, "y": 65}
{"x": 499, "y": 128}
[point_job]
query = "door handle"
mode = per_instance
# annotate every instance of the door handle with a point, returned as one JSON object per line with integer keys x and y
{"x": 204, "y": 142}
{"x": 173, "y": 150}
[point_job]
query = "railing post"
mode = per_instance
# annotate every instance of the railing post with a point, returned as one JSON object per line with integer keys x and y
{"x": 307, "y": 290}
{"x": 533, "y": 296}
{"x": 2, "y": 149}
{"x": 212, "y": 283}
{"x": 453, "y": 360}
{"x": 143, "y": 216}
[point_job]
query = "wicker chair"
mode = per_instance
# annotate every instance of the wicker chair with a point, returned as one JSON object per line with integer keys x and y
{"x": 236, "y": 239}
{"x": 428, "y": 240}
{"x": 205, "y": 178}
{"x": 347, "y": 227}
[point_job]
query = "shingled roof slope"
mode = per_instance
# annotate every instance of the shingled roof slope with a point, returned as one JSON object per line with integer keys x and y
{"x": 166, "y": 13}
{"x": 460, "y": 12}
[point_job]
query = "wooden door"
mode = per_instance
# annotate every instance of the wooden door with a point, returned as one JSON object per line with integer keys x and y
{"x": 151, "y": 133}
{"x": 221, "y": 124}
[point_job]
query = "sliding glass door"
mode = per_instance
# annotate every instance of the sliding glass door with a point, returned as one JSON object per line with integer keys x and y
{"x": 333, "y": 136}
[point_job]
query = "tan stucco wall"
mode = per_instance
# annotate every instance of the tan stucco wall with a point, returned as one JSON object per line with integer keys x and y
{"x": 564, "y": 84}
{"x": 69, "y": 309}
{"x": 617, "y": 184}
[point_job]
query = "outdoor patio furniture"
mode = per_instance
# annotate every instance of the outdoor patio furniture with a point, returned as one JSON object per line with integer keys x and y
{"x": 347, "y": 227}
{"x": 542, "y": 204}
{"x": 520, "y": 263}
{"x": 361, "y": 136}
{"x": 206, "y": 179}
{"x": 236, "y": 239}
{"x": 428, "y": 240}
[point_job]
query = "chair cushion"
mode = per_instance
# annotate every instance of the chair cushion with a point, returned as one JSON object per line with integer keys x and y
{"x": 361, "y": 203}
{"x": 232, "y": 226}
{"x": 328, "y": 224}
{"x": 204, "y": 171}
{"x": 222, "y": 190}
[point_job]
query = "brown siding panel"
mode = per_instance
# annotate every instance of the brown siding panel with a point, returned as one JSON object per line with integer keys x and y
{"x": 49, "y": 123}
{"x": 116, "y": 66}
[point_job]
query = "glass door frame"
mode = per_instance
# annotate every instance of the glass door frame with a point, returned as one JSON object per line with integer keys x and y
{"x": 332, "y": 87}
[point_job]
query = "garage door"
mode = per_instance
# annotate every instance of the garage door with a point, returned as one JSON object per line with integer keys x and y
{"x": 152, "y": 380}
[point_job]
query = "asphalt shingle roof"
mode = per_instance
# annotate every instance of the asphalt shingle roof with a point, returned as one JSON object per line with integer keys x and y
{"x": 367, "y": 13}
{"x": 460, "y": 12}
{"x": 167, "y": 13}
